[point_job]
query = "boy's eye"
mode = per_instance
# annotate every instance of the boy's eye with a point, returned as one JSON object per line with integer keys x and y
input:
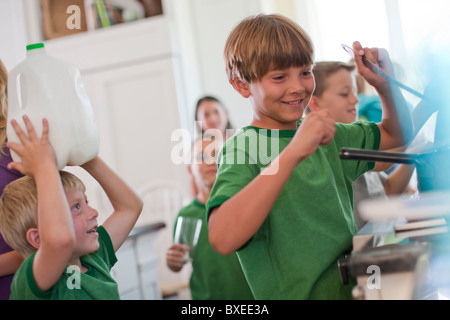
{"x": 307, "y": 72}
{"x": 278, "y": 78}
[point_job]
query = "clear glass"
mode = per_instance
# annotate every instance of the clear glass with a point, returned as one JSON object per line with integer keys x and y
{"x": 187, "y": 232}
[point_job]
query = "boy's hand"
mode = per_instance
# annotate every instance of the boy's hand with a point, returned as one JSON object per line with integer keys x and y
{"x": 377, "y": 56}
{"x": 316, "y": 129}
{"x": 175, "y": 256}
{"x": 34, "y": 152}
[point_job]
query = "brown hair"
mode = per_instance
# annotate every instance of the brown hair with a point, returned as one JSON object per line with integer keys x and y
{"x": 262, "y": 43}
{"x": 214, "y": 99}
{"x": 322, "y": 70}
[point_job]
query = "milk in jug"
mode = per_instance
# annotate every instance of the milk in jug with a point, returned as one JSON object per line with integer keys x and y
{"x": 43, "y": 86}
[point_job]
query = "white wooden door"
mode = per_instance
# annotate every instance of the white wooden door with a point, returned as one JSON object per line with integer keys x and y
{"x": 136, "y": 108}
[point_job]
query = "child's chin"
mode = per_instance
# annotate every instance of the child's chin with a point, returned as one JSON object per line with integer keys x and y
{"x": 96, "y": 246}
{"x": 91, "y": 247}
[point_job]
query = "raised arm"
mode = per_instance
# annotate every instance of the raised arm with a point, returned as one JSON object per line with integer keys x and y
{"x": 396, "y": 128}
{"x": 54, "y": 238}
{"x": 126, "y": 203}
{"x": 233, "y": 223}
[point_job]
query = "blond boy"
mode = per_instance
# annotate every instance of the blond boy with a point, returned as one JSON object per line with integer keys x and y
{"x": 45, "y": 216}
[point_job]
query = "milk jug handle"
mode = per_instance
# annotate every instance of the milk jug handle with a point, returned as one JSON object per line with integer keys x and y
{"x": 16, "y": 93}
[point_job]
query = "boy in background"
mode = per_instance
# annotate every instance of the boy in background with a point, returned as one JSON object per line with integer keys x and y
{"x": 291, "y": 220}
{"x": 45, "y": 217}
{"x": 335, "y": 92}
{"x": 214, "y": 276}
{"x": 10, "y": 260}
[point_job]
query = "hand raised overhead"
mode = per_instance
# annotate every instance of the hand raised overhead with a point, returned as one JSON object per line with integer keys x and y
{"x": 34, "y": 151}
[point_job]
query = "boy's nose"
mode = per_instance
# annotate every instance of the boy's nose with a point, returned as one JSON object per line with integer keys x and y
{"x": 93, "y": 214}
{"x": 296, "y": 86}
{"x": 355, "y": 99}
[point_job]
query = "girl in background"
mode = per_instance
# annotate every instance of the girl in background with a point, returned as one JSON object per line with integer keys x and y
{"x": 210, "y": 113}
{"x": 10, "y": 260}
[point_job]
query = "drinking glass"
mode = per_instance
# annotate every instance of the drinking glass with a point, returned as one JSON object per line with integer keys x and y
{"x": 187, "y": 232}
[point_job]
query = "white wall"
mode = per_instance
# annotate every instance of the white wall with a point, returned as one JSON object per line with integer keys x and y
{"x": 12, "y": 33}
{"x": 209, "y": 23}
{"x": 201, "y": 27}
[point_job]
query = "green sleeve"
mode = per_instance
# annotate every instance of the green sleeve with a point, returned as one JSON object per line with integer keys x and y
{"x": 232, "y": 176}
{"x": 106, "y": 249}
{"x": 359, "y": 135}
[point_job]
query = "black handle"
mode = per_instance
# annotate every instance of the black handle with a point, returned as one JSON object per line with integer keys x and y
{"x": 344, "y": 271}
{"x": 375, "y": 155}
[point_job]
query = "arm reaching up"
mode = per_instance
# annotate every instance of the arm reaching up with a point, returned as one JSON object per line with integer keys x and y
{"x": 54, "y": 238}
{"x": 396, "y": 128}
{"x": 127, "y": 205}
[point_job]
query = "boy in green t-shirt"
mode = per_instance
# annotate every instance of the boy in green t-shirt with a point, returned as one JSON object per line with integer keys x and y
{"x": 214, "y": 276}
{"x": 283, "y": 198}
{"x": 46, "y": 218}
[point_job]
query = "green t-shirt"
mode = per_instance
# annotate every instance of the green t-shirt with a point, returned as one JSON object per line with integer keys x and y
{"x": 95, "y": 284}
{"x": 214, "y": 276}
{"x": 310, "y": 226}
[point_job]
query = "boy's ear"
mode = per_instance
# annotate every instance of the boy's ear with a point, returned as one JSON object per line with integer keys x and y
{"x": 33, "y": 237}
{"x": 314, "y": 104}
{"x": 241, "y": 87}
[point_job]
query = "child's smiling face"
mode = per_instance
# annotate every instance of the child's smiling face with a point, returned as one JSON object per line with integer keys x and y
{"x": 84, "y": 221}
{"x": 281, "y": 96}
{"x": 339, "y": 97}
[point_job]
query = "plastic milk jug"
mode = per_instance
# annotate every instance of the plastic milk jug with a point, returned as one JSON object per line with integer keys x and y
{"x": 43, "y": 86}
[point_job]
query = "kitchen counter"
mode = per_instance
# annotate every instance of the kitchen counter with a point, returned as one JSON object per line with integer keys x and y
{"x": 141, "y": 230}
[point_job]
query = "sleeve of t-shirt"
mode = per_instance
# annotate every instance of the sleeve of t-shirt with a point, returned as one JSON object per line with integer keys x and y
{"x": 31, "y": 289}
{"x": 106, "y": 249}
{"x": 383, "y": 177}
{"x": 358, "y": 135}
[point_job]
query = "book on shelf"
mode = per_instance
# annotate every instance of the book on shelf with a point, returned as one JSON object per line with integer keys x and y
{"x": 105, "y": 13}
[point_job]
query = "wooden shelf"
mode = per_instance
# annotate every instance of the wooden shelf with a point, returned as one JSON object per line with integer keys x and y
{"x": 58, "y": 17}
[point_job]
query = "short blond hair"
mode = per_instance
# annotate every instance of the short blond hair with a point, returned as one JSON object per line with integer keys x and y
{"x": 18, "y": 209}
{"x": 262, "y": 43}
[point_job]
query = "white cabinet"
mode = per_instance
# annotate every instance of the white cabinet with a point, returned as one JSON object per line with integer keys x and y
{"x": 136, "y": 270}
{"x": 136, "y": 107}
{"x": 125, "y": 271}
